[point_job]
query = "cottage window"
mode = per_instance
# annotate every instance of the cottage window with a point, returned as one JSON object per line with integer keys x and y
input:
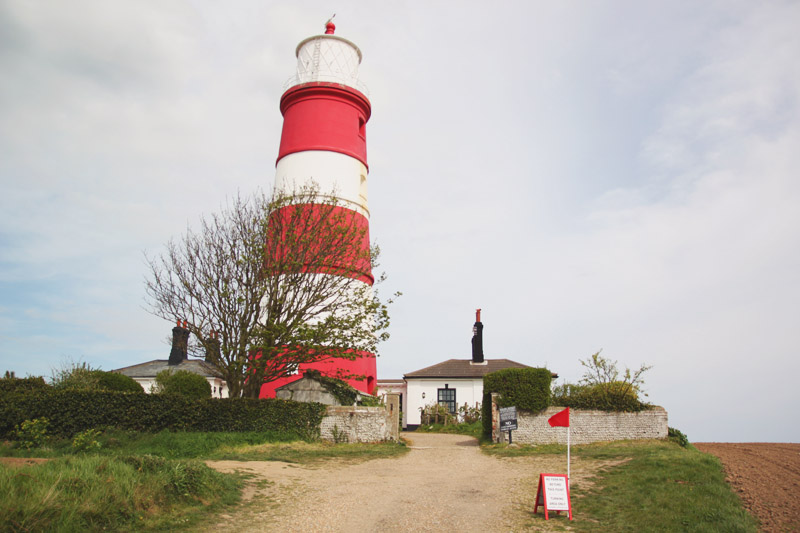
{"x": 447, "y": 397}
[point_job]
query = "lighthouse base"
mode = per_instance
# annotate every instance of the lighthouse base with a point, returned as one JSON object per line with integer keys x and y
{"x": 360, "y": 373}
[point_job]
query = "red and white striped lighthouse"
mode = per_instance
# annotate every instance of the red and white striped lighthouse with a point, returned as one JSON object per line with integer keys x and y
{"x": 324, "y": 143}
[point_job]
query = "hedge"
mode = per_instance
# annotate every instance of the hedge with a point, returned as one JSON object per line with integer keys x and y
{"x": 525, "y": 388}
{"x": 11, "y": 384}
{"x": 73, "y": 411}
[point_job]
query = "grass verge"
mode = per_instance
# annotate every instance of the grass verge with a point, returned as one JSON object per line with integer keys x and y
{"x": 167, "y": 444}
{"x": 660, "y": 487}
{"x": 93, "y": 493}
{"x": 245, "y": 446}
{"x": 309, "y": 452}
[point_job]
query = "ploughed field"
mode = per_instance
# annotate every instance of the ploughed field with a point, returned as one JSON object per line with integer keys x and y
{"x": 767, "y": 478}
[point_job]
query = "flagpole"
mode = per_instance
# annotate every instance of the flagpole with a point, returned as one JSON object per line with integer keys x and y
{"x": 567, "y": 456}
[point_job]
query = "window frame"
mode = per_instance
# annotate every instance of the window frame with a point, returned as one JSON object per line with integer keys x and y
{"x": 451, "y": 404}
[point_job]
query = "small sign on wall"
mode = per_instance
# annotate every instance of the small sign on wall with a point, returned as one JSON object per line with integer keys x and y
{"x": 508, "y": 418}
{"x": 553, "y": 494}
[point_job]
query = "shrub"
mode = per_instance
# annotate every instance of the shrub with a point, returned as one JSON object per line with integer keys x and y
{"x": 435, "y": 413}
{"x": 10, "y": 384}
{"x": 116, "y": 382}
{"x": 677, "y": 436}
{"x": 81, "y": 376}
{"x": 525, "y": 388}
{"x": 87, "y": 440}
{"x": 75, "y": 376}
{"x": 32, "y": 433}
{"x": 600, "y": 370}
{"x": 469, "y": 415}
{"x": 183, "y": 383}
{"x": 613, "y": 396}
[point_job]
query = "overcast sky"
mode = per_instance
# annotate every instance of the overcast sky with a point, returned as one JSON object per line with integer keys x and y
{"x": 594, "y": 175}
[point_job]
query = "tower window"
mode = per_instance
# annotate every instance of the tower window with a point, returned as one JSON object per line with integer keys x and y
{"x": 362, "y": 128}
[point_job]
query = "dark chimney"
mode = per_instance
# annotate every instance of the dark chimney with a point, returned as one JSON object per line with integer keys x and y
{"x": 213, "y": 348}
{"x": 180, "y": 344}
{"x": 477, "y": 339}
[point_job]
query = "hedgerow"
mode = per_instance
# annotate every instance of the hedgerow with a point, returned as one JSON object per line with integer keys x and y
{"x": 10, "y": 384}
{"x": 72, "y": 411}
{"x": 525, "y": 388}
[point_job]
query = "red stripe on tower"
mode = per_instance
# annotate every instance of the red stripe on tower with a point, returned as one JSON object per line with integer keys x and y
{"x": 324, "y": 144}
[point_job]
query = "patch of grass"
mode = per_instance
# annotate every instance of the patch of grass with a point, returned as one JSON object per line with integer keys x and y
{"x": 660, "y": 487}
{"x": 168, "y": 444}
{"x": 112, "y": 493}
{"x": 523, "y": 450}
{"x": 309, "y": 452}
{"x": 474, "y": 429}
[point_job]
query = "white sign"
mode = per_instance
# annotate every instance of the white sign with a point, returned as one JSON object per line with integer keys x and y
{"x": 556, "y": 490}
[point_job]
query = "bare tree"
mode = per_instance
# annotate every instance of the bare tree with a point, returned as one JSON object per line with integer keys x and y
{"x": 272, "y": 283}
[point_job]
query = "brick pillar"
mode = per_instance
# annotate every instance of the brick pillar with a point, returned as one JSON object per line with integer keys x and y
{"x": 393, "y": 412}
{"x": 497, "y": 435}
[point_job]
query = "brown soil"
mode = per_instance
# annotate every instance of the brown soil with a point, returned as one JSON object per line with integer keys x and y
{"x": 767, "y": 478}
{"x": 444, "y": 483}
{"x": 22, "y": 461}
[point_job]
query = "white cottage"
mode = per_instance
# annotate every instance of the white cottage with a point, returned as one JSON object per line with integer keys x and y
{"x": 451, "y": 383}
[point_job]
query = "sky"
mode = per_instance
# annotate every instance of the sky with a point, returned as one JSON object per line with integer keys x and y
{"x": 616, "y": 176}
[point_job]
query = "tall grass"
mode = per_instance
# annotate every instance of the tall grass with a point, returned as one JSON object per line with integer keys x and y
{"x": 94, "y": 493}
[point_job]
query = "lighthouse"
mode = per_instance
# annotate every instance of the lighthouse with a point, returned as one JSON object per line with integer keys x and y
{"x": 324, "y": 146}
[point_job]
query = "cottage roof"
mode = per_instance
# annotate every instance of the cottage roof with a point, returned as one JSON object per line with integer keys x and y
{"x": 464, "y": 368}
{"x": 151, "y": 368}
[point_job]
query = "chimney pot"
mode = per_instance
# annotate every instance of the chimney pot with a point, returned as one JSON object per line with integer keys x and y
{"x": 180, "y": 345}
{"x": 477, "y": 339}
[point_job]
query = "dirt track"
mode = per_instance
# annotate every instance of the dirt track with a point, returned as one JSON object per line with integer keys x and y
{"x": 767, "y": 478}
{"x": 443, "y": 484}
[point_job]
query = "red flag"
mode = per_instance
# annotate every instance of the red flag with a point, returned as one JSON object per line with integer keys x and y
{"x": 560, "y": 419}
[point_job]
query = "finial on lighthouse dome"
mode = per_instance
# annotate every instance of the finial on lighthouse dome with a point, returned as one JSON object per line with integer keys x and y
{"x": 330, "y": 27}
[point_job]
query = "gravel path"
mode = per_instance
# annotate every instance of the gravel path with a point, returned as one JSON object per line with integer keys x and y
{"x": 443, "y": 483}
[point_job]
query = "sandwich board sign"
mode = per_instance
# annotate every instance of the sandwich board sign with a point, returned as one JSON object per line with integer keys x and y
{"x": 553, "y": 494}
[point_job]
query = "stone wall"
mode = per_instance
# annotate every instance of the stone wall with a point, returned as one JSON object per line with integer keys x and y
{"x": 306, "y": 390}
{"x": 361, "y": 424}
{"x": 586, "y": 426}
